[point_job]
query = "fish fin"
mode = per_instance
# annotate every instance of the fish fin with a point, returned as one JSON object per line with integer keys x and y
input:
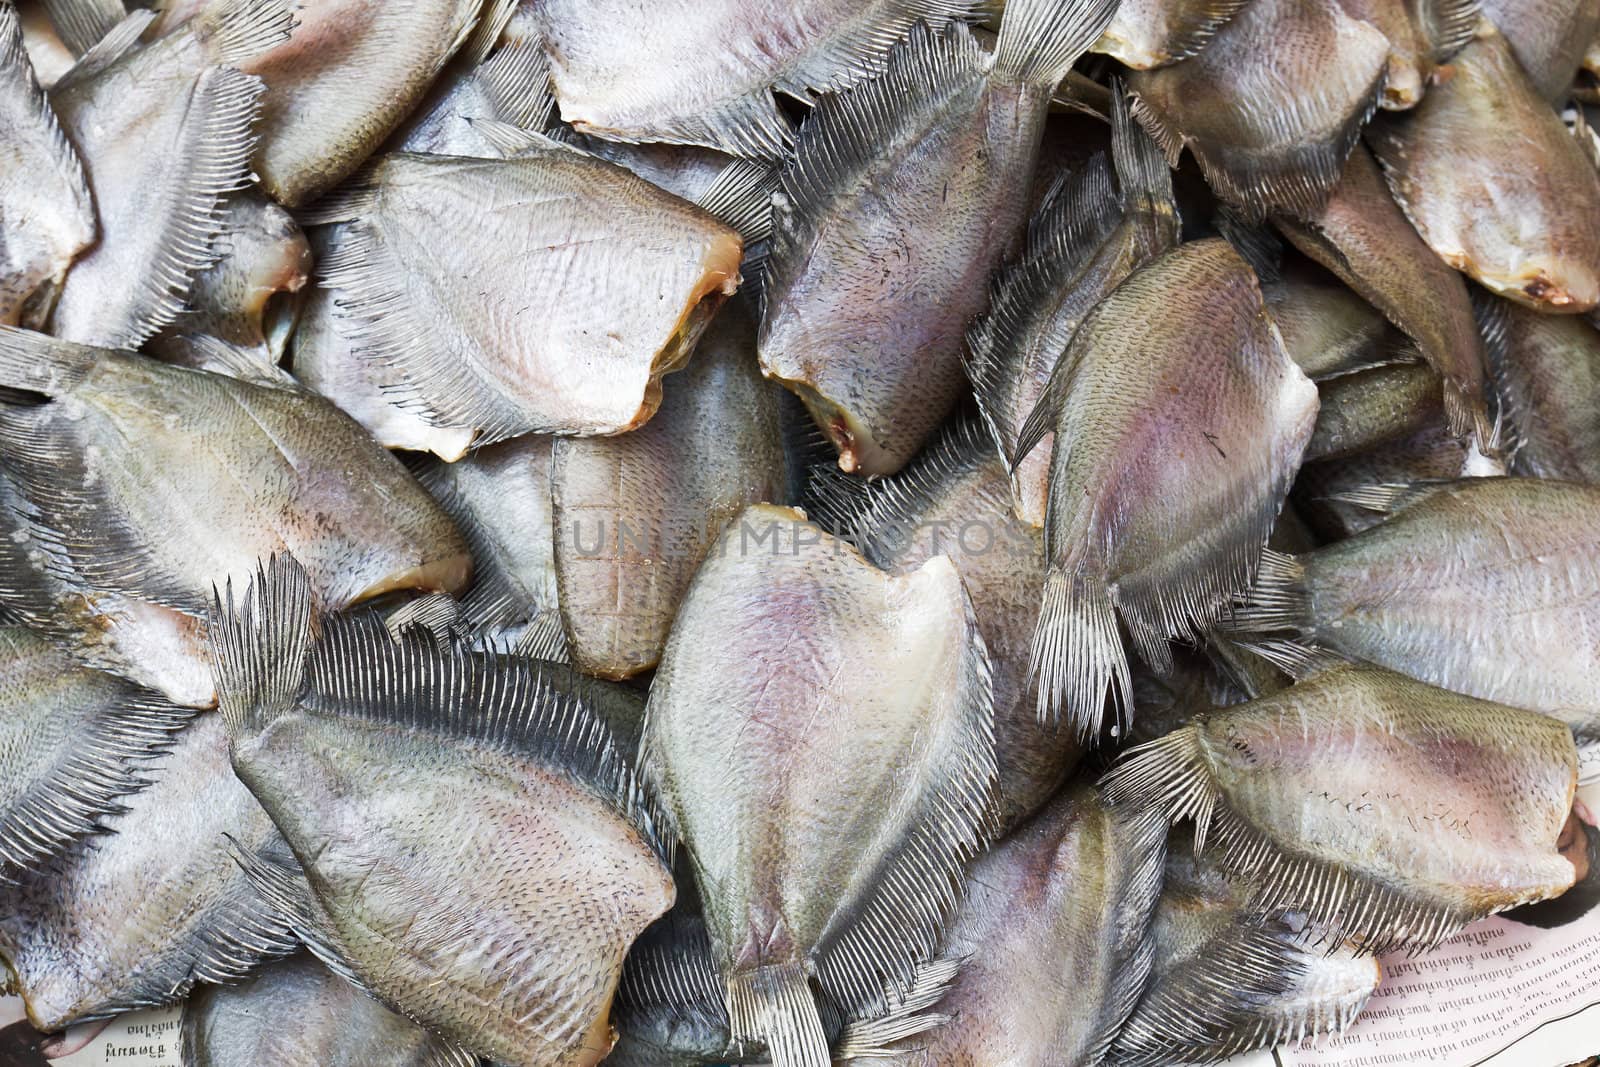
{"x": 899, "y": 502}
{"x": 1276, "y": 601}
{"x": 1388, "y": 498}
{"x": 280, "y": 883}
{"x": 1166, "y": 136}
{"x": 858, "y": 55}
{"x": 116, "y": 43}
{"x": 806, "y": 448}
{"x": 38, "y": 363}
{"x": 1448, "y": 25}
{"x": 843, "y": 136}
{"x": 260, "y": 646}
{"x": 1143, "y": 836}
{"x": 219, "y": 144}
{"x": 437, "y": 615}
{"x": 909, "y": 1014}
{"x": 544, "y": 638}
{"x": 1296, "y": 660}
{"x": 358, "y": 670}
{"x": 774, "y": 1004}
{"x": 741, "y": 197}
{"x": 235, "y": 31}
{"x": 444, "y": 1054}
{"x": 671, "y": 966}
{"x": 510, "y": 140}
{"x": 1077, "y": 656}
{"x": 1143, "y": 176}
{"x": 840, "y": 503}
{"x": 219, "y": 357}
{"x": 83, "y": 24}
{"x": 1040, "y": 40}
{"x": 1078, "y": 212}
{"x": 487, "y": 30}
{"x": 1173, "y": 776}
{"x": 105, "y": 766}
{"x": 517, "y": 82}
{"x": 1257, "y": 243}
{"x": 1046, "y": 411}
{"x": 1494, "y": 320}
{"x": 879, "y": 950}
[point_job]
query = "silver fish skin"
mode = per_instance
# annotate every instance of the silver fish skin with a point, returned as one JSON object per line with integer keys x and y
{"x": 245, "y": 300}
{"x": 1183, "y": 353}
{"x": 1428, "y": 592}
{"x": 297, "y": 1013}
{"x": 45, "y": 211}
{"x": 1423, "y": 36}
{"x": 634, "y": 515}
{"x": 1060, "y": 908}
{"x": 1519, "y": 210}
{"x": 1236, "y": 105}
{"x": 686, "y": 72}
{"x": 1224, "y": 980}
{"x": 1145, "y": 34}
{"x": 1544, "y": 367}
{"x": 955, "y": 499}
{"x": 1550, "y": 38}
{"x": 578, "y": 241}
{"x": 511, "y": 86}
{"x": 790, "y": 648}
{"x": 131, "y": 533}
{"x": 1365, "y": 240}
{"x": 156, "y": 905}
{"x": 905, "y": 192}
{"x": 1389, "y": 812}
{"x": 686, "y": 171}
{"x": 1081, "y": 245}
{"x": 393, "y": 766}
{"x": 1329, "y": 330}
{"x": 339, "y": 86}
{"x": 499, "y": 497}
{"x": 73, "y": 743}
{"x": 159, "y": 209}
{"x": 1431, "y": 455}
{"x": 1358, "y": 411}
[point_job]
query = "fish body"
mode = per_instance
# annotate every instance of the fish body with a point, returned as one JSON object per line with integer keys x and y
{"x": 479, "y": 854}
{"x": 696, "y": 73}
{"x": 906, "y": 191}
{"x": 1060, "y": 908}
{"x": 1145, "y": 34}
{"x": 1357, "y": 411}
{"x": 789, "y": 649}
{"x": 547, "y": 335}
{"x": 1484, "y": 586}
{"x": 1423, "y": 35}
{"x": 1496, "y": 184}
{"x": 45, "y": 211}
{"x": 1545, "y": 367}
{"x": 635, "y": 514}
{"x": 115, "y": 507}
{"x": 1430, "y": 455}
{"x": 512, "y": 86}
{"x": 1183, "y": 362}
{"x": 156, "y": 905}
{"x": 1549, "y": 38}
{"x": 297, "y": 1013}
{"x": 1386, "y": 810}
{"x": 1327, "y": 329}
{"x": 1238, "y": 107}
{"x": 1363, "y": 237}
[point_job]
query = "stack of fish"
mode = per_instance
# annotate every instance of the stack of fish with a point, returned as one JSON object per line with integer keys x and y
{"x": 682, "y": 532}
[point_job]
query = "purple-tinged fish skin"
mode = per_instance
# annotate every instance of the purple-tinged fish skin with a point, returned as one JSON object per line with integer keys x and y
{"x": 1517, "y": 208}
{"x": 906, "y": 191}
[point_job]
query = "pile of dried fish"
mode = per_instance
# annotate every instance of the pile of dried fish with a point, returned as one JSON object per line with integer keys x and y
{"x": 678, "y": 532}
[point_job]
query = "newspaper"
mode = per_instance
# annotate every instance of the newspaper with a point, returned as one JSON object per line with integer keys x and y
{"x": 1501, "y": 993}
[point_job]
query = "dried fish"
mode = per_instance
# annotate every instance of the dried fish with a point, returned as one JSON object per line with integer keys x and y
{"x": 141, "y": 484}
{"x": 1358, "y": 411}
{"x": 1362, "y": 236}
{"x": 1078, "y": 251}
{"x": 1431, "y": 455}
{"x": 1145, "y": 34}
{"x": 1548, "y": 37}
{"x": 512, "y": 86}
{"x": 45, "y": 211}
{"x": 73, "y": 743}
{"x": 297, "y": 1013}
{"x": 812, "y": 867}
{"x": 1388, "y": 811}
{"x": 1481, "y": 586}
{"x": 393, "y": 767}
{"x": 687, "y": 72}
{"x": 156, "y": 905}
{"x": 1181, "y": 362}
{"x": 1423, "y": 35}
{"x": 1495, "y": 183}
{"x": 905, "y": 192}
{"x": 1241, "y": 106}
{"x": 635, "y": 514}
{"x": 1546, "y": 371}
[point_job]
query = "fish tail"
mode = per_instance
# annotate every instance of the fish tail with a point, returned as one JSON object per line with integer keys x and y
{"x": 238, "y": 30}
{"x": 774, "y": 1004}
{"x": 1277, "y": 600}
{"x": 1078, "y": 655}
{"x": 259, "y": 646}
{"x": 42, "y": 364}
{"x": 1142, "y": 171}
{"x": 1040, "y": 40}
